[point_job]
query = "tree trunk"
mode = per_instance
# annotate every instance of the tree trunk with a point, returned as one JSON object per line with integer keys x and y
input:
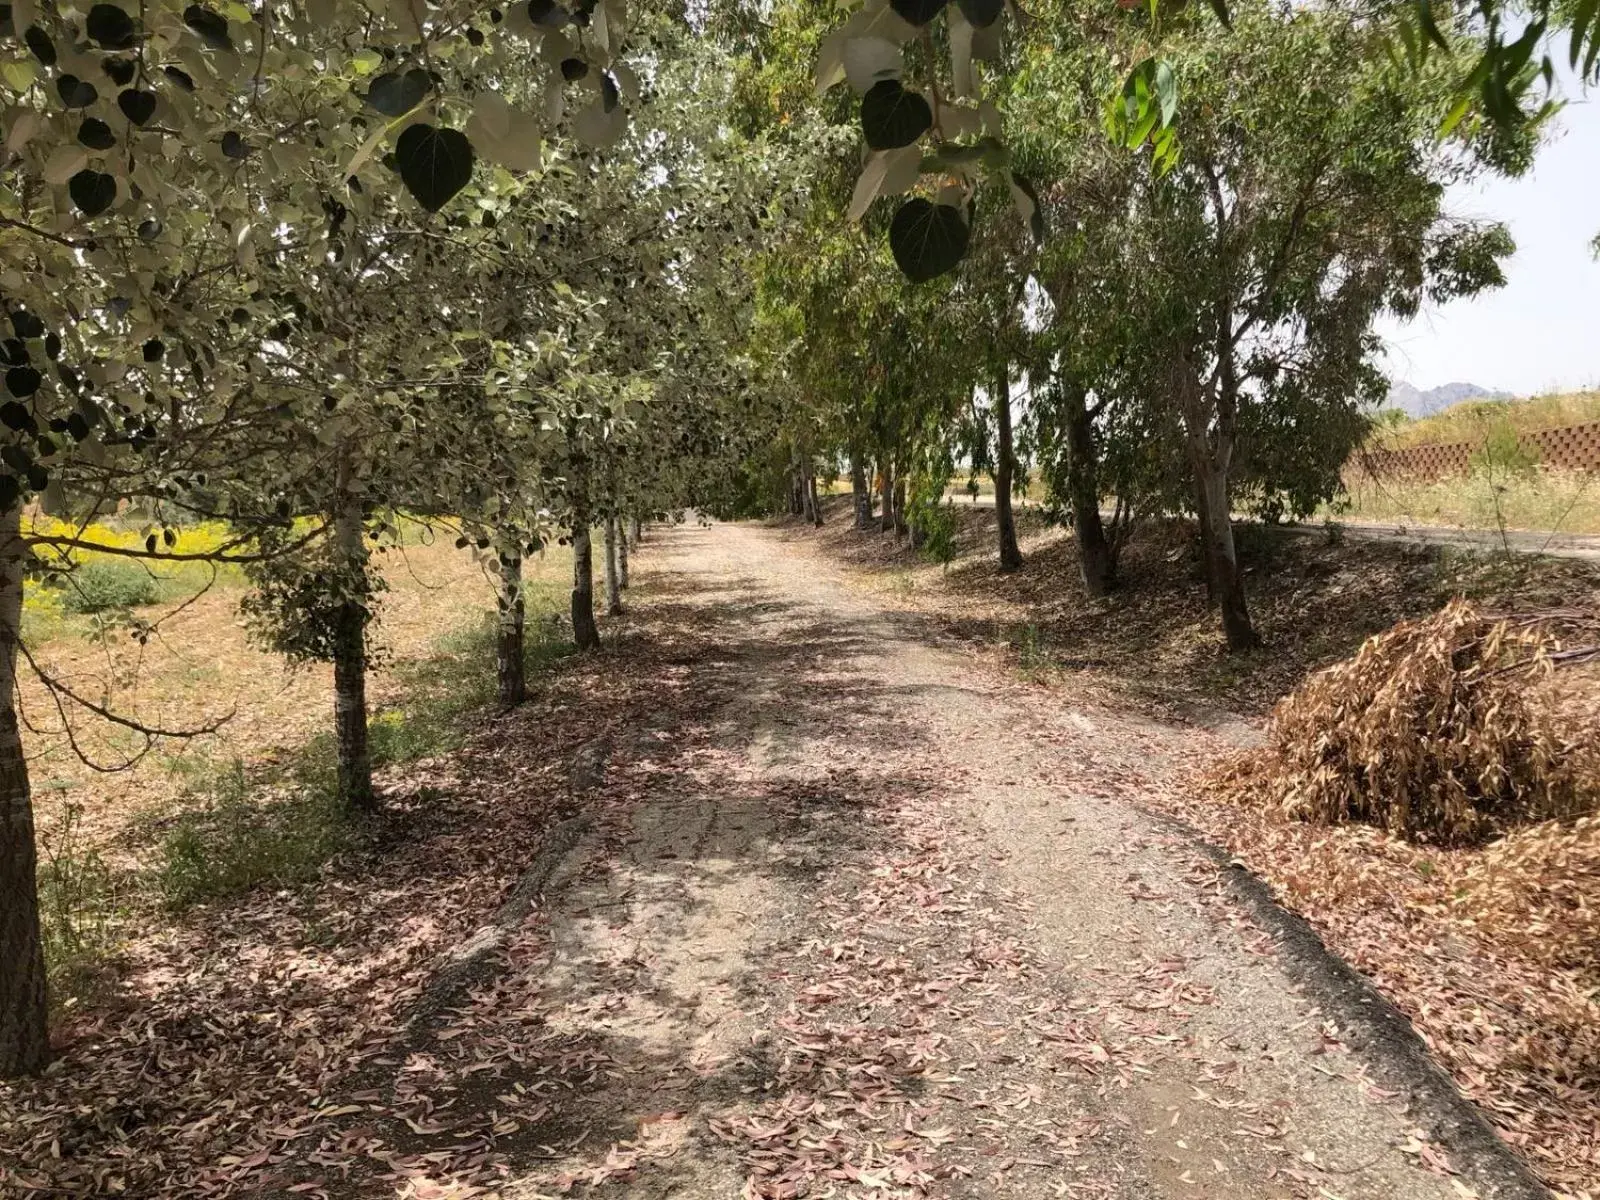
{"x": 24, "y": 1015}
{"x": 1222, "y": 560}
{"x": 900, "y": 526}
{"x": 350, "y": 648}
{"x": 613, "y": 579}
{"x": 886, "y": 483}
{"x": 1096, "y": 563}
{"x": 808, "y": 495}
{"x": 638, "y": 530}
{"x": 1202, "y": 511}
{"x": 860, "y": 491}
{"x": 813, "y": 497}
{"x": 1004, "y": 472}
{"x": 585, "y": 633}
{"x": 622, "y": 554}
{"x": 510, "y": 674}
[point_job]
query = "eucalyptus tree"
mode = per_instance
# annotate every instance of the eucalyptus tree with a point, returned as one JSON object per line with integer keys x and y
{"x": 1307, "y": 200}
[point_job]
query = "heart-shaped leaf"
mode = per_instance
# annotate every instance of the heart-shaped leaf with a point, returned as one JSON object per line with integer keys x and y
{"x": 92, "y": 191}
{"x": 434, "y": 163}
{"x": 75, "y": 92}
{"x": 547, "y": 14}
{"x": 234, "y": 146}
{"x": 26, "y": 324}
{"x": 573, "y": 69}
{"x": 96, "y": 134}
{"x": 394, "y": 94}
{"x": 180, "y": 77}
{"x": 918, "y": 12}
{"x": 892, "y": 117}
{"x": 138, "y": 106}
{"x": 23, "y": 382}
{"x": 927, "y": 239}
{"x": 210, "y": 26}
{"x": 121, "y": 70}
{"x": 982, "y": 13}
{"x": 871, "y": 60}
{"x": 41, "y": 45}
{"x": 112, "y": 28}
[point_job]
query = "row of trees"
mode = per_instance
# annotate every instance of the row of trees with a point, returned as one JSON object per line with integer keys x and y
{"x": 313, "y": 271}
{"x": 1193, "y": 333}
{"x": 299, "y": 264}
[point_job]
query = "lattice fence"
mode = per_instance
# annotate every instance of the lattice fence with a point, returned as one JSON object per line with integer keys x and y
{"x": 1570, "y": 448}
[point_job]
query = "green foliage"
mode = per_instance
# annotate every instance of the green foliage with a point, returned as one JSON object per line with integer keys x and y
{"x": 79, "y": 908}
{"x": 108, "y": 585}
{"x": 239, "y": 840}
{"x": 294, "y": 604}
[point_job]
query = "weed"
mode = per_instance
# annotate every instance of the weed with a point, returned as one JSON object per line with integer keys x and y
{"x": 1033, "y": 652}
{"x": 78, "y": 908}
{"x": 240, "y": 839}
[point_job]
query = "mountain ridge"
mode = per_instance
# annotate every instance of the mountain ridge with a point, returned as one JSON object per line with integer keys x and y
{"x": 1418, "y": 402}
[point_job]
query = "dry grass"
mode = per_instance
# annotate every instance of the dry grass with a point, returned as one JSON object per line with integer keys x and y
{"x": 251, "y": 803}
{"x": 1471, "y": 420}
{"x": 1540, "y": 499}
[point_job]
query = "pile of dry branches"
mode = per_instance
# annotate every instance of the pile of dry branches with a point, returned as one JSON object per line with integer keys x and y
{"x": 1441, "y": 730}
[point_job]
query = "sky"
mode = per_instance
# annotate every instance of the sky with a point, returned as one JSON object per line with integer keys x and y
{"x": 1541, "y": 332}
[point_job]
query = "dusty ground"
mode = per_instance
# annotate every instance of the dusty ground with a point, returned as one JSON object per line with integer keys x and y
{"x": 860, "y": 915}
{"x": 955, "y": 960}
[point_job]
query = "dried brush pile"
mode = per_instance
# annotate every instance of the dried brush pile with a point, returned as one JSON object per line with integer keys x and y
{"x": 1441, "y": 730}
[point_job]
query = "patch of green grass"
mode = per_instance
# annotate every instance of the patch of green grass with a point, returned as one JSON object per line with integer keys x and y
{"x": 282, "y": 826}
{"x": 250, "y": 831}
{"x": 79, "y": 909}
{"x": 105, "y": 585}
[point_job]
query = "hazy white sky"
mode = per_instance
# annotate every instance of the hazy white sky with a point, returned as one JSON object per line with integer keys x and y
{"x": 1541, "y": 332}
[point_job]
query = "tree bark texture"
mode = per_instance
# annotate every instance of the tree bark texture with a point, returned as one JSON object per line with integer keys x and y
{"x": 886, "y": 484}
{"x": 1097, "y": 563}
{"x": 638, "y": 530}
{"x": 613, "y": 578}
{"x": 585, "y": 633}
{"x": 900, "y": 526}
{"x": 860, "y": 491}
{"x": 1005, "y": 471}
{"x": 510, "y": 671}
{"x": 350, "y": 648}
{"x": 24, "y": 1015}
{"x": 622, "y": 554}
{"x": 1209, "y": 428}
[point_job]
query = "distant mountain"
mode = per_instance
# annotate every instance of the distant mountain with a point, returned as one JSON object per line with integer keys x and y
{"x": 1415, "y": 402}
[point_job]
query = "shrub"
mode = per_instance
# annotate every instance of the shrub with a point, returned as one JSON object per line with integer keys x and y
{"x": 1436, "y": 731}
{"x": 104, "y": 585}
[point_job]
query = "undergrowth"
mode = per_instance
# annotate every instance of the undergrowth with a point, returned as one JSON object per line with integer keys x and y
{"x": 245, "y": 827}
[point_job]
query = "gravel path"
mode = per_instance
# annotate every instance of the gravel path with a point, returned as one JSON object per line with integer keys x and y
{"x": 899, "y": 929}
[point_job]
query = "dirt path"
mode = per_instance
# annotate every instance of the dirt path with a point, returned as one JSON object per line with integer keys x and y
{"x": 892, "y": 925}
